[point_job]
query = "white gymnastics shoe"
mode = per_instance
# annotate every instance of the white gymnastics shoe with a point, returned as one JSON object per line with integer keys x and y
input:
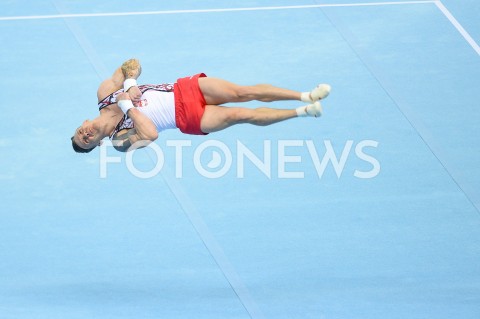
{"x": 318, "y": 93}
{"x": 314, "y": 110}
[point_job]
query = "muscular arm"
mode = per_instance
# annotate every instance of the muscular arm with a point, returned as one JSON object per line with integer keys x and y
{"x": 129, "y": 69}
{"x": 144, "y": 131}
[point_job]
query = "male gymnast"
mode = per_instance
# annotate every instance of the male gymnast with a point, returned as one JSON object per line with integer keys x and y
{"x": 130, "y": 113}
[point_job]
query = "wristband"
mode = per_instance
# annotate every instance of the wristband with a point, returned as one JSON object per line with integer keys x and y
{"x": 125, "y": 105}
{"x": 128, "y": 83}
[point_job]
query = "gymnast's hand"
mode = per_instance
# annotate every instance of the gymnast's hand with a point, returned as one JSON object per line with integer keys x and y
{"x": 123, "y": 96}
{"x": 135, "y": 94}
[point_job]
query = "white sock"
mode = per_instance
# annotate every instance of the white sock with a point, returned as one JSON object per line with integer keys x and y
{"x": 301, "y": 111}
{"x": 306, "y": 97}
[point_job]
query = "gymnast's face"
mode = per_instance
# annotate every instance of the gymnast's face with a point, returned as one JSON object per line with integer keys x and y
{"x": 86, "y": 136}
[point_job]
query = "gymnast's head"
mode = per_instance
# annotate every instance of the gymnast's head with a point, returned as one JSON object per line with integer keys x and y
{"x": 86, "y": 138}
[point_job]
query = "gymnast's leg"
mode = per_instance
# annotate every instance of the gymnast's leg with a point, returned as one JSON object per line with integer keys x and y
{"x": 216, "y": 118}
{"x": 217, "y": 91}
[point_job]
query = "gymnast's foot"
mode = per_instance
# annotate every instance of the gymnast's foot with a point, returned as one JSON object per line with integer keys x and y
{"x": 318, "y": 93}
{"x": 314, "y": 109}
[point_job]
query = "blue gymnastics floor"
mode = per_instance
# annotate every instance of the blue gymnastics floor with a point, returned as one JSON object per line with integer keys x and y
{"x": 372, "y": 211}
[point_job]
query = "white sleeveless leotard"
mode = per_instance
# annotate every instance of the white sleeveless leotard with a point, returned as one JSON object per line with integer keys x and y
{"x": 157, "y": 103}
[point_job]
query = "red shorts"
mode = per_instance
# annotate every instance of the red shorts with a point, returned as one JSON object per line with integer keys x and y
{"x": 189, "y": 104}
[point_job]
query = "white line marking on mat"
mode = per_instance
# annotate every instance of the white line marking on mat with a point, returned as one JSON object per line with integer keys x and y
{"x": 458, "y": 26}
{"x": 133, "y": 13}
